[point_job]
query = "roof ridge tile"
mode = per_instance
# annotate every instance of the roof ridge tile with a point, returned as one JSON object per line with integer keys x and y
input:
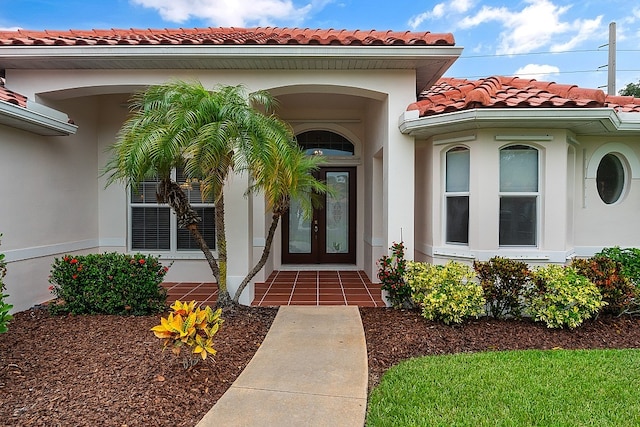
{"x": 225, "y": 35}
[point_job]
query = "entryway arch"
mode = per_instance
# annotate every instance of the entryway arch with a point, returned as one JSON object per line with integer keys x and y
{"x": 328, "y": 236}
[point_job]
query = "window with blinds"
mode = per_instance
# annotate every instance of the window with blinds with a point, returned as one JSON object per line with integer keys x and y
{"x": 154, "y": 226}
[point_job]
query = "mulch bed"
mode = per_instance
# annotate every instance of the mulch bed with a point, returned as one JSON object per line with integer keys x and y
{"x": 111, "y": 371}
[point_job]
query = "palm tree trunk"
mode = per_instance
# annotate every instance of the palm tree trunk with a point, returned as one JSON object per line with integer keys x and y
{"x": 263, "y": 259}
{"x": 224, "y": 299}
{"x": 213, "y": 264}
{"x": 171, "y": 193}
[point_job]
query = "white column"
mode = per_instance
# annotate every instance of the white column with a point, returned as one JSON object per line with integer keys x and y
{"x": 238, "y": 230}
{"x": 399, "y": 187}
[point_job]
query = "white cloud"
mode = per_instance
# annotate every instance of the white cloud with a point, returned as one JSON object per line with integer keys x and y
{"x": 536, "y": 71}
{"x": 10, "y": 28}
{"x": 440, "y": 10}
{"x": 627, "y": 27}
{"x": 585, "y": 29}
{"x": 539, "y": 24}
{"x": 239, "y": 13}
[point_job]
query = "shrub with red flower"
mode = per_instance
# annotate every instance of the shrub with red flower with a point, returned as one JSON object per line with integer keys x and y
{"x": 391, "y": 270}
{"x": 109, "y": 283}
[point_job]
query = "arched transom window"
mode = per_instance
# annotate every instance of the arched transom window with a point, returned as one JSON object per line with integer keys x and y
{"x": 325, "y": 142}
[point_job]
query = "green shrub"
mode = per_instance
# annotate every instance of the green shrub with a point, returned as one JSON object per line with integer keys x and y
{"x": 391, "y": 271}
{"x": 504, "y": 282}
{"x": 561, "y": 297}
{"x": 445, "y": 292}
{"x": 629, "y": 258}
{"x": 616, "y": 289}
{"x": 109, "y": 283}
{"x": 5, "y": 317}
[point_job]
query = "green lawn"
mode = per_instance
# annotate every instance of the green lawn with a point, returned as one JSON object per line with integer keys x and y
{"x": 515, "y": 388}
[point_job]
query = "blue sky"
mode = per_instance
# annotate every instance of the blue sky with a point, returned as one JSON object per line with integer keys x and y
{"x": 551, "y": 40}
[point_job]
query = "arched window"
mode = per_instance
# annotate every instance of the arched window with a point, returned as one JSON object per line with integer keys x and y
{"x": 610, "y": 178}
{"x": 519, "y": 192}
{"x": 325, "y": 142}
{"x": 457, "y": 196}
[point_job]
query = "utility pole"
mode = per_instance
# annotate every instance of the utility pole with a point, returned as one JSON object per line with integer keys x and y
{"x": 611, "y": 64}
{"x": 611, "y": 68}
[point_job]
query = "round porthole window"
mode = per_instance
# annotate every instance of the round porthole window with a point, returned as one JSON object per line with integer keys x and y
{"x": 610, "y": 179}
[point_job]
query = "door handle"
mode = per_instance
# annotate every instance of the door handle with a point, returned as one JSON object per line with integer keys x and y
{"x": 315, "y": 226}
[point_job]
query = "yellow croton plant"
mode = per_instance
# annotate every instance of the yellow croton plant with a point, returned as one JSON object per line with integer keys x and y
{"x": 189, "y": 326}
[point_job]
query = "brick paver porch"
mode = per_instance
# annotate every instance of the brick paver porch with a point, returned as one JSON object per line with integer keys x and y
{"x": 311, "y": 287}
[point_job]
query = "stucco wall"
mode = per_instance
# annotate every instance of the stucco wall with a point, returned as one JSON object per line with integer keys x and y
{"x": 598, "y": 224}
{"x": 424, "y": 192}
{"x": 50, "y": 201}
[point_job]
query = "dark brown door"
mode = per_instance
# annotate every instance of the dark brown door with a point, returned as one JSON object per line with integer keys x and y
{"x": 329, "y": 235}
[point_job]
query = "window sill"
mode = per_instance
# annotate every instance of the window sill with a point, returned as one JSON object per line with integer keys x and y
{"x": 175, "y": 256}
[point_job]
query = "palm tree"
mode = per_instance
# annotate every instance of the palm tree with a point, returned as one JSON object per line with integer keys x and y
{"x": 209, "y": 134}
{"x": 281, "y": 178}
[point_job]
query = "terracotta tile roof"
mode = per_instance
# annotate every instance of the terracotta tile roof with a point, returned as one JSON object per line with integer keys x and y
{"x": 14, "y": 98}
{"x": 625, "y": 104}
{"x": 224, "y": 36}
{"x": 451, "y": 94}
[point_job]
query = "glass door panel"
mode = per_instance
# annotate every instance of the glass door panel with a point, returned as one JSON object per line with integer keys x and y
{"x": 337, "y": 213}
{"x": 299, "y": 230}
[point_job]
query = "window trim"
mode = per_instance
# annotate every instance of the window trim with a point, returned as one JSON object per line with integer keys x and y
{"x": 173, "y": 252}
{"x": 622, "y": 151}
{"x": 451, "y": 194}
{"x": 514, "y": 194}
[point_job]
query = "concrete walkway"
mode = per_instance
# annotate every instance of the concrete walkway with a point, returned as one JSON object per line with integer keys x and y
{"x": 311, "y": 370}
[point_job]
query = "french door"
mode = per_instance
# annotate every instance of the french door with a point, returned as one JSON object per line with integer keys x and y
{"x": 329, "y": 235}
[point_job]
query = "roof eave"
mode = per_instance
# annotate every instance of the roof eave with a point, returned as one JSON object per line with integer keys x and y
{"x": 581, "y": 121}
{"x": 32, "y": 119}
{"x": 26, "y": 56}
{"x": 429, "y": 62}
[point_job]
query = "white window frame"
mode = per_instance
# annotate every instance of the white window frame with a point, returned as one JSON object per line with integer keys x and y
{"x": 173, "y": 252}
{"x": 451, "y": 194}
{"x": 515, "y": 194}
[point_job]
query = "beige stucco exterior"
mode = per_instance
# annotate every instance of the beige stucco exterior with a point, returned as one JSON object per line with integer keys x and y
{"x": 62, "y": 174}
{"x": 54, "y": 199}
{"x": 572, "y": 218}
